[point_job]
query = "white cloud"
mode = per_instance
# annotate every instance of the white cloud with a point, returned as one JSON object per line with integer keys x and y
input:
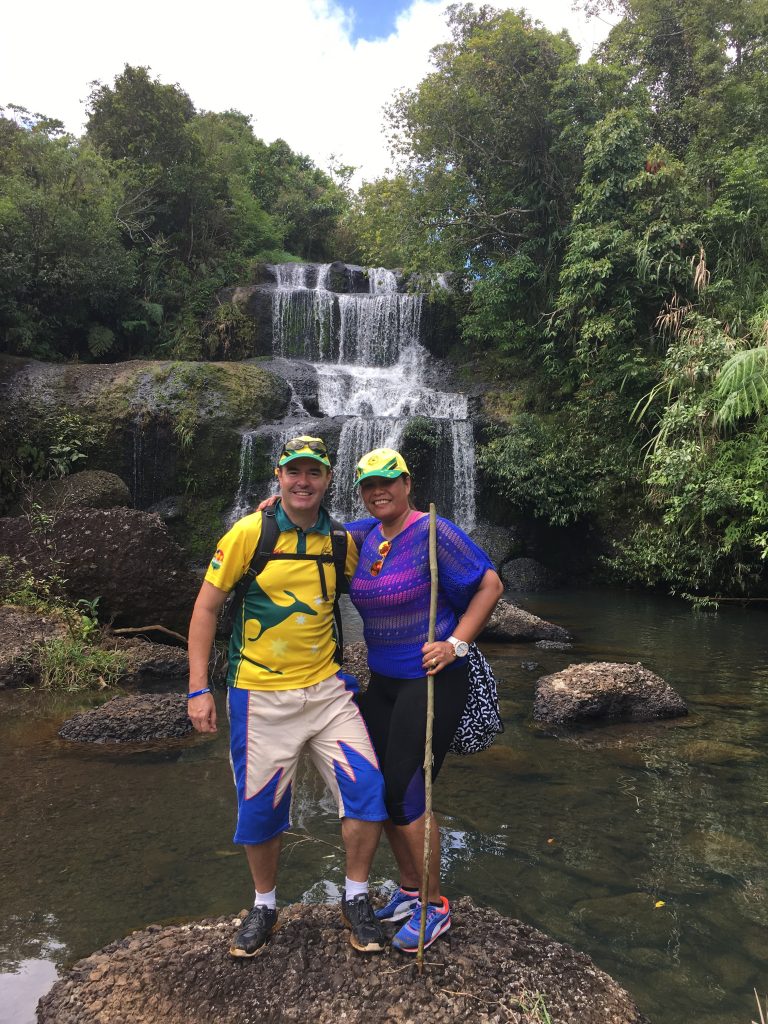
{"x": 290, "y": 64}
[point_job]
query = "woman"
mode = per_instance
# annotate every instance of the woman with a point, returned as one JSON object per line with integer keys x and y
{"x": 391, "y": 591}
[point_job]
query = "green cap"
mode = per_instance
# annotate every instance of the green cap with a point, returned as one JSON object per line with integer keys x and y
{"x": 384, "y": 462}
{"x": 304, "y": 448}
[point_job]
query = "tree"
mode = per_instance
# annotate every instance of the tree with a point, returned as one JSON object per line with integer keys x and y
{"x": 65, "y": 277}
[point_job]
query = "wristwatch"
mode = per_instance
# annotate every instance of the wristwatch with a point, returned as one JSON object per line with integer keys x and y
{"x": 460, "y": 647}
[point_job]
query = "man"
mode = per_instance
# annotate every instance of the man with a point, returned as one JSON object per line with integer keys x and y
{"x": 284, "y": 694}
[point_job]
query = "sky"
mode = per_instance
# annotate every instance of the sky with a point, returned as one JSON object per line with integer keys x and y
{"x": 313, "y": 72}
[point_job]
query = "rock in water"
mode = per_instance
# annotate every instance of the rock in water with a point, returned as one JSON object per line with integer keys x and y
{"x": 509, "y": 622}
{"x": 605, "y": 690}
{"x": 135, "y": 719}
{"x": 487, "y": 971}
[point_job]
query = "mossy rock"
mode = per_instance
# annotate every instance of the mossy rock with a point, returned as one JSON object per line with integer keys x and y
{"x": 164, "y": 427}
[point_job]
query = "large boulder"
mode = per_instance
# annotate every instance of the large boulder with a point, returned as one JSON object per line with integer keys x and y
{"x": 498, "y": 542}
{"x": 526, "y": 574}
{"x": 612, "y": 691}
{"x": 511, "y": 623}
{"x": 91, "y": 488}
{"x": 138, "y": 718}
{"x": 487, "y": 970}
{"x": 123, "y": 556}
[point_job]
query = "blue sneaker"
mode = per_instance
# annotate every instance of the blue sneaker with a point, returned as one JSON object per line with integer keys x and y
{"x": 438, "y": 921}
{"x": 401, "y": 905}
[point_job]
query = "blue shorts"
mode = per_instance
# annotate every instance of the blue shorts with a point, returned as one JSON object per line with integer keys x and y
{"x": 268, "y": 731}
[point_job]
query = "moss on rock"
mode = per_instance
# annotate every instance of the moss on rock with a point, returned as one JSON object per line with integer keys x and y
{"x": 165, "y": 428}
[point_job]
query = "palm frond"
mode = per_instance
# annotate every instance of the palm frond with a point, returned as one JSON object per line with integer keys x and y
{"x": 742, "y": 386}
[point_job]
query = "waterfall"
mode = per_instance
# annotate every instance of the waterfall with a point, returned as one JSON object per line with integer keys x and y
{"x": 358, "y": 436}
{"x": 243, "y": 503}
{"x": 372, "y": 374}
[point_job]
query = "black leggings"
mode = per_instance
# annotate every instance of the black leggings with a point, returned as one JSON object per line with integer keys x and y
{"x": 395, "y": 711}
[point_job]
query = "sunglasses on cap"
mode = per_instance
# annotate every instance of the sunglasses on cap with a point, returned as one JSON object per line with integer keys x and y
{"x": 300, "y": 444}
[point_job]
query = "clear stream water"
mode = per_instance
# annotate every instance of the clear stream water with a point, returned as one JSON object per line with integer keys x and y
{"x": 580, "y": 836}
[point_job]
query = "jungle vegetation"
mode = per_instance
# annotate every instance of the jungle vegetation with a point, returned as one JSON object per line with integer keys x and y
{"x": 606, "y": 223}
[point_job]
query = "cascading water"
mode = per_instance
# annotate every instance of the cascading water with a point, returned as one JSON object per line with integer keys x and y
{"x": 372, "y": 375}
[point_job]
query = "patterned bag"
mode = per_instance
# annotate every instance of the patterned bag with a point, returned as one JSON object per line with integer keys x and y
{"x": 481, "y": 721}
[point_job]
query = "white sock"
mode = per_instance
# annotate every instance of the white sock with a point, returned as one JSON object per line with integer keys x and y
{"x": 266, "y": 899}
{"x": 352, "y": 889}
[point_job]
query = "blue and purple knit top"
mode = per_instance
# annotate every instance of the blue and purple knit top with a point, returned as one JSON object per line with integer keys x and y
{"x": 394, "y": 605}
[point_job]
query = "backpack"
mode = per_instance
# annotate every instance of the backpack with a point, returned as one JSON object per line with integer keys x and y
{"x": 265, "y": 552}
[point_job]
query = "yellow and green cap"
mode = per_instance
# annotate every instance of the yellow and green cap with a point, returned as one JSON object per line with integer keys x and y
{"x": 304, "y": 447}
{"x": 384, "y": 462}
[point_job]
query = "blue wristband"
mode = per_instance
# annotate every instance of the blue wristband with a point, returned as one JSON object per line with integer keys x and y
{"x": 198, "y": 693}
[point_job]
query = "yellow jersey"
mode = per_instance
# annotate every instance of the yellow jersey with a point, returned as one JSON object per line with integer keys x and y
{"x": 283, "y": 636}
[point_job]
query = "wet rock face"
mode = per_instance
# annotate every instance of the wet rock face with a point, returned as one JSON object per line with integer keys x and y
{"x": 488, "y": 970}
{"x": 509, "y": 622}
{"x": 123, "y": 556}
{"x": 135, "y": 719}
{"x": 605, "y": 690}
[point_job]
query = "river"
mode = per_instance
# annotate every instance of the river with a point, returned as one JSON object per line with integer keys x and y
{"x": 644, "y": 846}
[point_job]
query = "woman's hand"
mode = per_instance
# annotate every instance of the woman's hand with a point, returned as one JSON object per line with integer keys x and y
{"x": 267, "y": 503}
{"x": 437, "y": 655}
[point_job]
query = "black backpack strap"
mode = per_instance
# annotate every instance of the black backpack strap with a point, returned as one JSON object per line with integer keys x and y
{"x": 270, "y": 531}
{"x": 339, "y": 540}
{"x": 339, "y": 543}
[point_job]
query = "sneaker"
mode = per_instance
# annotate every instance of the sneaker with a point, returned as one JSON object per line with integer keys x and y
{"x": 438, "y": 922}
{"x": 255, "y": 932}
{"x": 401, "y": 905}
{"x": 366, "y": 934}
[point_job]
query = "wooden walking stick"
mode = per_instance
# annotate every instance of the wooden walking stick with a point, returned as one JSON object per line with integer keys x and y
{"x": 428, "y": 740}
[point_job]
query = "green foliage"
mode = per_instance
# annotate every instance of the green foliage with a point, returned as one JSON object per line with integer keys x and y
{"x": 20, "y": 586}
{"x": 707, "y": 468}
{"x": 742, "y": 387}
{"x": 229, "y": 333}
{"x": 117, "y": 244}
{"x": 62, "y": 262}
{"x": 53, "y": 446}
{"x": 541, "y": 472}
{"x": 79, "y": 657}
{"x": 476, "y": 149}
{"x": 420, "y": 444}
{"x": 74, "y": 662}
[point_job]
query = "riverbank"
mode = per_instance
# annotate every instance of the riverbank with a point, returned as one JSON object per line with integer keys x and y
{"x": 580, "y": 836}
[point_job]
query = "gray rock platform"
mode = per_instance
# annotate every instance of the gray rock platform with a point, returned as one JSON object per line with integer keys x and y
{"x": 492, "y": 969}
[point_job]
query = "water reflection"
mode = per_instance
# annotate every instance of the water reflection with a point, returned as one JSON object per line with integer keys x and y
{"x": 642, "y": 844}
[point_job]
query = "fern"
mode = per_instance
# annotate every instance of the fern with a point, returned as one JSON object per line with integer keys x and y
{"x": 100, "y": 340}
{"x": 742, "y": 386}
